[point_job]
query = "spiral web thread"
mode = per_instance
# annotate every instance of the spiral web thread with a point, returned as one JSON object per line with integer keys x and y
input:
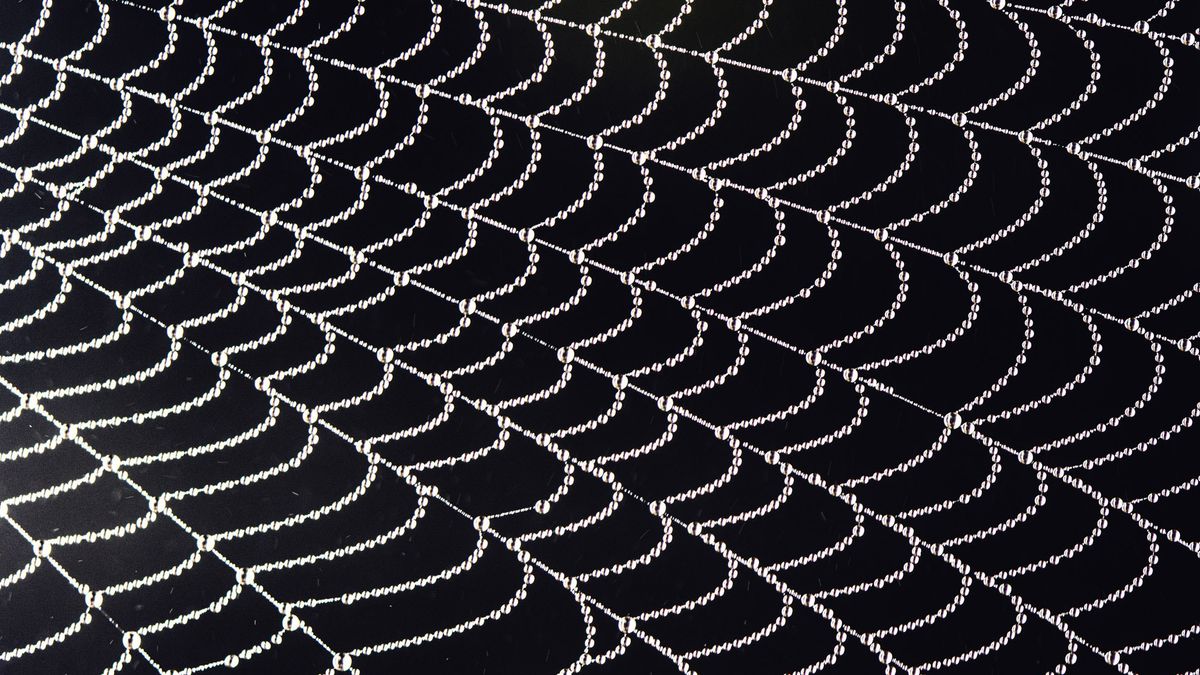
{"x": 153, "y": 284}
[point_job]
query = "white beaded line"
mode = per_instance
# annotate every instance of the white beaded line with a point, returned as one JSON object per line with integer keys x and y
{"x": 110, "y": 383}
{"x": 213, "y": 607}
{"x": 1158, "y": 643}
{"x": 586, "y": 88}
{"x": 1178, "y": 299}
{"x": 887, "y": 99}
{"x": 1086, "y": 312}
{"x": 375, "y": 74}
{"x": 1168, "y": 6}
{"x": 1035, "y": 505}
{"x": 155, "y": 577}
{"x": 22, "y": 572}
{"x": 1128, "y": 324}
{"x": 1094, "y": 75}
{"x": 731, "y": 557}
{"x": 759, "y": 22}
{"x": 119, "y": 86}
{"x": 677, "y": 20}
{"x": 229, "y": 368}
{"x": 957, "y": 194}
{"x": 1073, "y": 148}
{"x": 1143, "y": 446}
{"x": 818, "y": 390}
{"x": 1180, "y": 488}
{"x": 533, "y": 78}
{"x": 435, "y": 27}
{"x": 884, "y": 581}
{"x": 143, "y": 232}
{"x": 1035, "y": 207}
{"x": 856, "y": 532}
{"x": 94, "y": 601}
{"x": 88, "y": 478}
{"x": 718, "y": 591}
{"x": 1152, "y": 531}
{"x": 28, "y": 36}
{"x": 960, "y": 51}
{"x": 1121, "y": 593}
{"x": 708, "y": 122}
{"x": 1141, "y": 28}
{"x": 656, "y": 37}
{"x": 967, "y": 497}
{"x": 1115, "y": 420}
{"x": 1096, "y": 649}
{"x": 906, "y": 163}
{"x": 420, "y": 88}
{"x": 1090, "y": 364}
{"x": 1031, "y": 70}
{"x": 757, "y": 267}
{"x": 468, "y": 102}
{"x": 589, "y": 191}
{"x": 210, "y": 54}
{"x": 159, "y": 507}
{"x": 208, "y": 263}
{"x": 544, "y": 439}
{"x": 20, "y": 453}
{"x": 860, "y": 415}
{"x": 785, "y": 613}
{"x": 959, "y": 599}
{"x": 107, "y": 464}
{"x": 48, "y": 221}
{"x": 1182, "y": 142}
{"x": 586, "y": 657}
{"x": 113, "y": 223}
{"x": 777, "y": 242}
{"x": 887, "y": 51}
{"x": 247, "y": 577}
{"x": 717, "y": 428}
{"x": 350, "y": 598}
{"x": 475, "y": 56}
{"x": 1143, "y": 256}
{"x": 406, "y": 472}
{"x": 21, "y": 280}
{"x": 114, "y": 335}
{"x": 903, "y": 467}
{"x": 938, "y": 549}
{"x": 942, "y": 342}
{"x": 527, "y": 579}
{"x": 1018, "y": 361}
{"x": 1055, "y": 13}
{"x": 76, "y": 348}
{"x": 994, "y": 646}
{"x": 1088, "y": 539}
{"x": 826, "y": 275}
{"x": 334, "y": 33}
{"x": 1079, "y": 237}
{"x": 786, "y": 133}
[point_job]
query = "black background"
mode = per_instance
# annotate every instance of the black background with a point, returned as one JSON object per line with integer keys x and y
{"x": 546, "y": 631}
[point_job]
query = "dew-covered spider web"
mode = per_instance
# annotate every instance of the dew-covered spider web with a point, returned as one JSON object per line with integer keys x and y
{"x": 668, "y": 336}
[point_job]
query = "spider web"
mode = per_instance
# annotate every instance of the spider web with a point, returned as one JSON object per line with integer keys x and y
{"x": 584, "y": 337}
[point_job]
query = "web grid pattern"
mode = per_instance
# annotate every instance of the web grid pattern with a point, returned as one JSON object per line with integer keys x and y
{"x": 581, "y": 337}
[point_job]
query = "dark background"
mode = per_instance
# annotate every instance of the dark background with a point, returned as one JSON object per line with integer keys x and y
{"x": 906, "y": 401}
